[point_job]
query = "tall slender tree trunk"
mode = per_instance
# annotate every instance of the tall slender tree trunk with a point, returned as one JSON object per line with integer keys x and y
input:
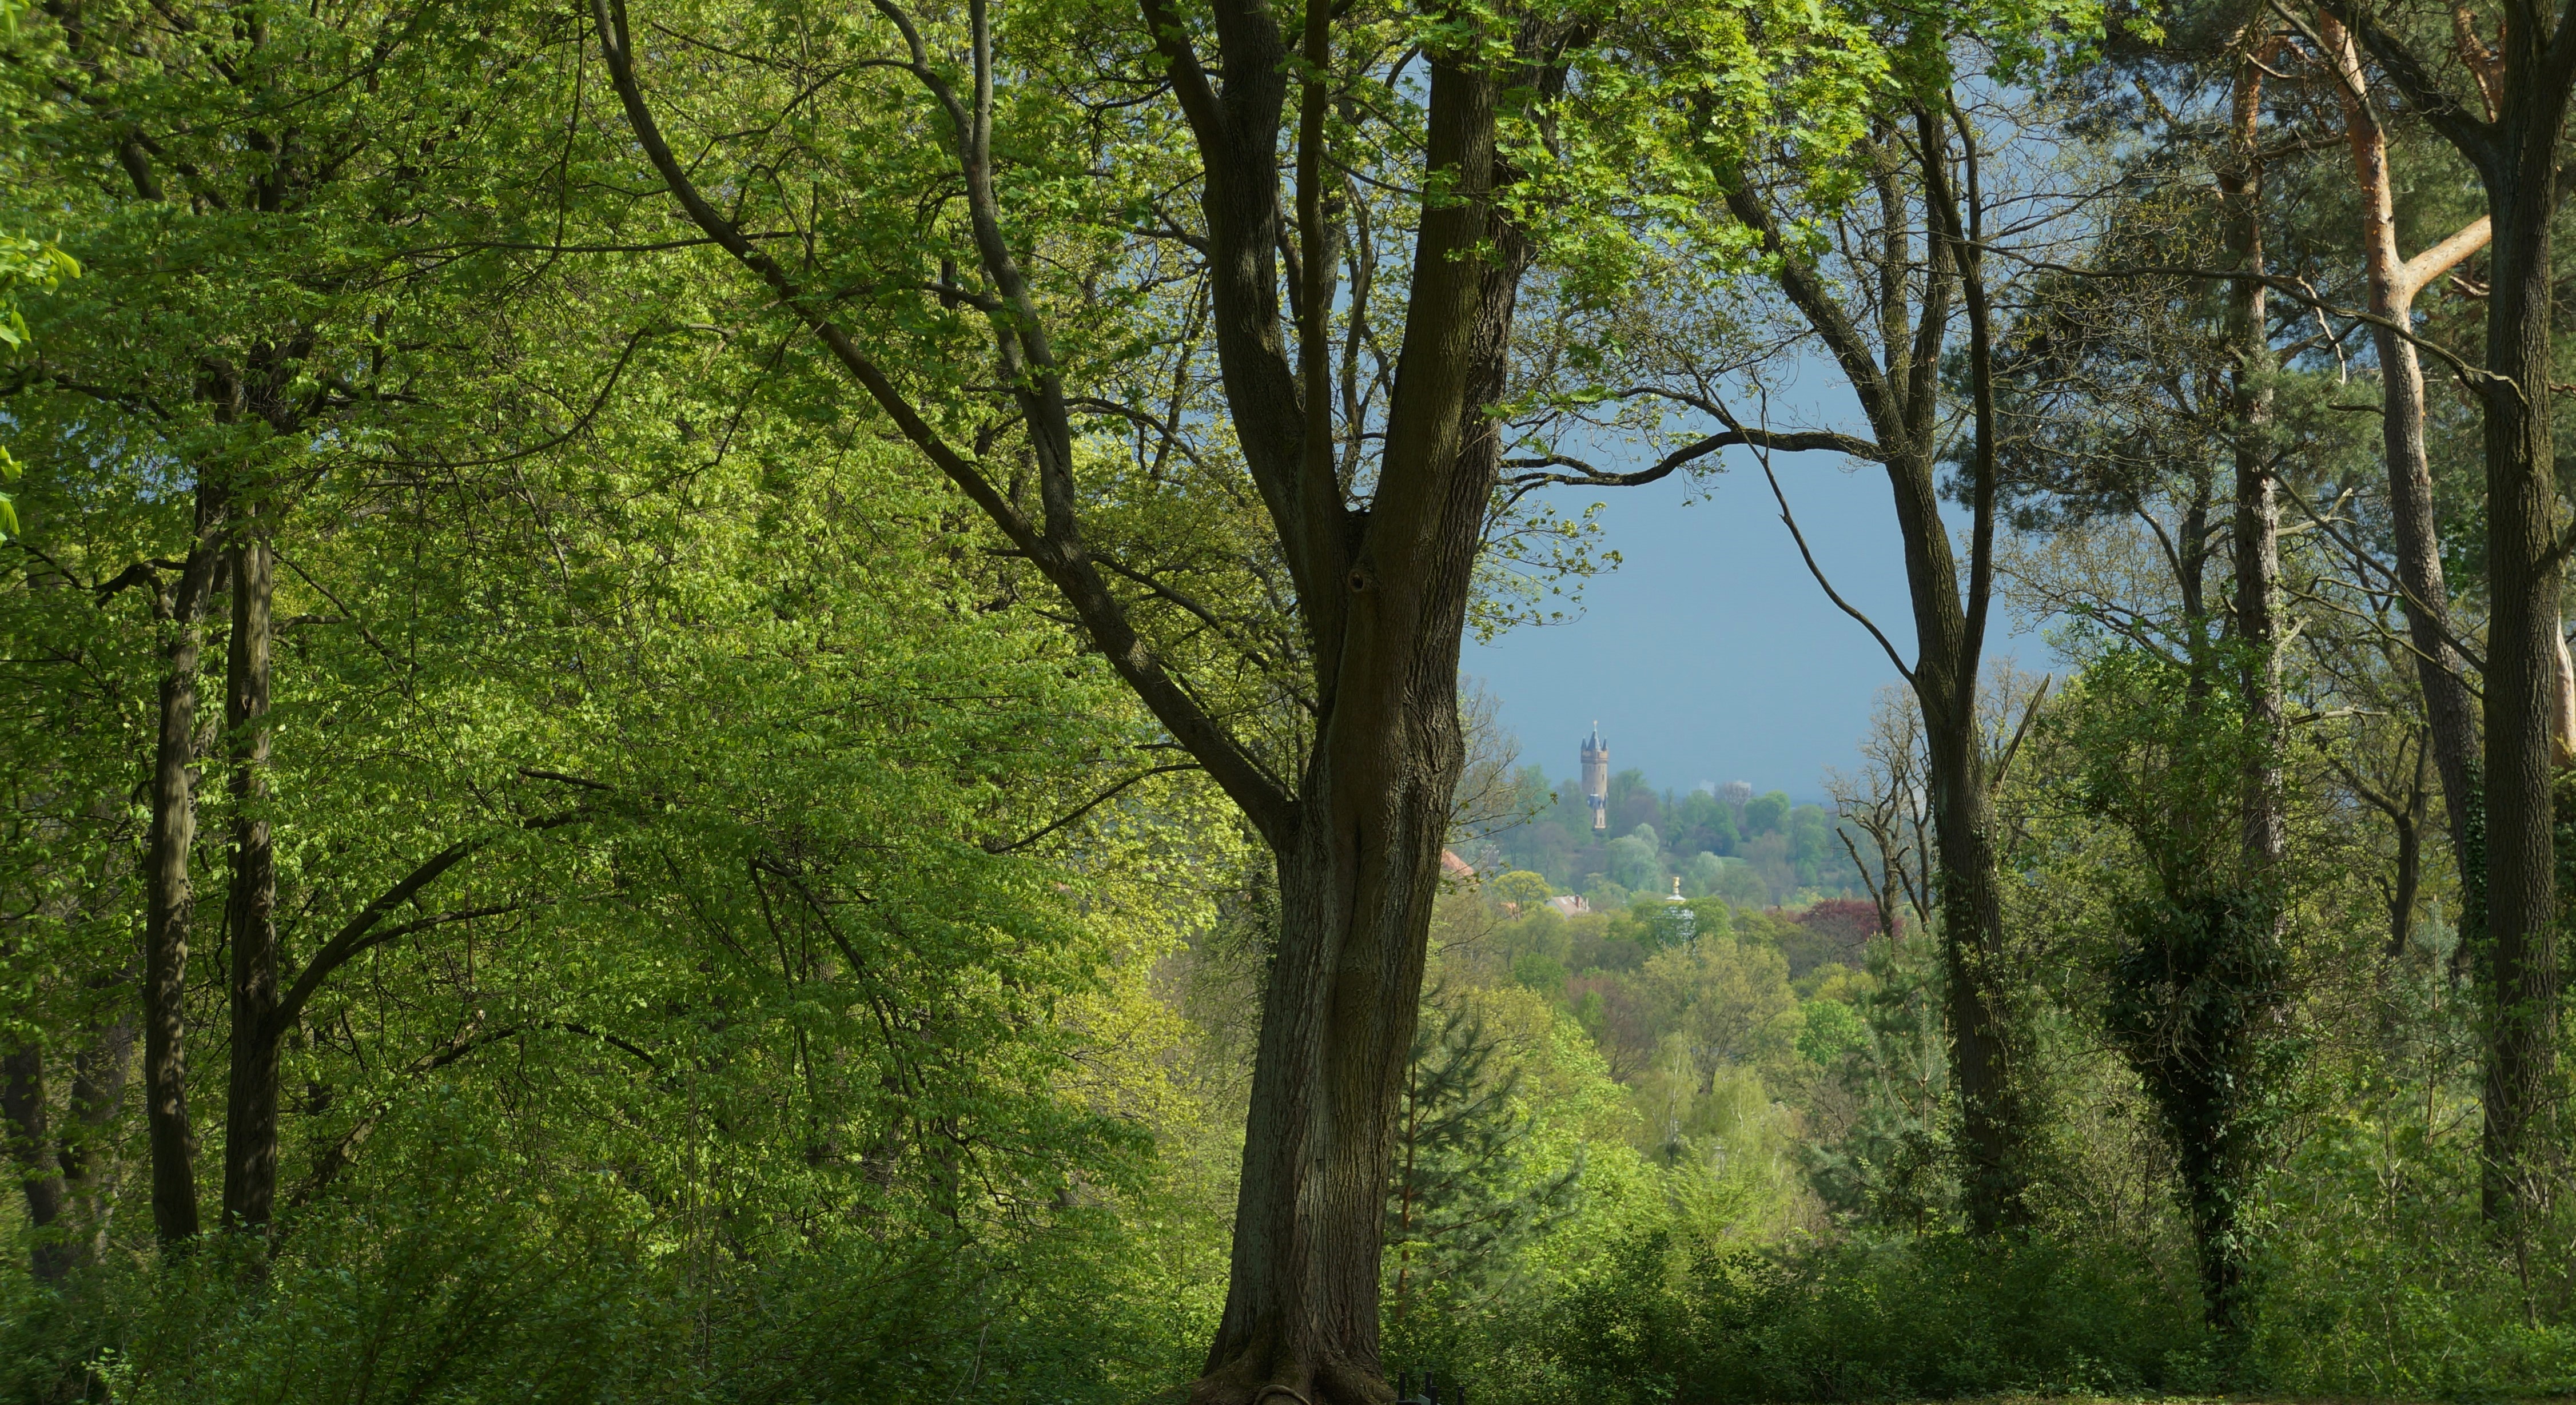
{"x": 1901, "y": 399}
{"x": 169, "y": 893}
{"x": 2219, "y": 1115}
{"x": 2525, "y": 83}
{"x": 1992, "y": 1118}
{"x": 1950, "y": 638}
{"x": 2258, "y": 504}
{"x": 2450, "y": 711}
{"x": 2524, "y": 575}
{"x": 250, "y": 1110}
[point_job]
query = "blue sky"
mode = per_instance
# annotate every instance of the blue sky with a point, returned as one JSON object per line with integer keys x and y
{"x": 1710, "y": 654}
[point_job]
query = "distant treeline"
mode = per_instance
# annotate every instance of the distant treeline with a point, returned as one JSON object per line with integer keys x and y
{"x": 1765, "y": 851}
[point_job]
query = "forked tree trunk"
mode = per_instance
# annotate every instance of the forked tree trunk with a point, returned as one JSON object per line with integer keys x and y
{"x": 250, "y": 1106}
{"x": 1358, "y": 878}
{"x": 169, "y": 894}
{"x": 1901, "y": 399}
{"x": 1381, "y": 595}
{"x": 2450, "y": 713}
{"x": 1986, "y": 1034}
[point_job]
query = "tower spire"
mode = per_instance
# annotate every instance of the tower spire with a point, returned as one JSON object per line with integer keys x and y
{"x": 1595, "y": 754}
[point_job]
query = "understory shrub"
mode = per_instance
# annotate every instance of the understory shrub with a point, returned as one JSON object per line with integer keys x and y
{"x": 1673, "y": 1324}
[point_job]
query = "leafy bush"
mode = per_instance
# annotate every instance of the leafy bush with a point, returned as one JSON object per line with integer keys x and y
{"x": 1661, "y": 1320}
{"x": 461, "y": 1285}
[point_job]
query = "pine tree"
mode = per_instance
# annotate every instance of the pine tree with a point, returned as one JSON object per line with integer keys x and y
{"x": 1461, "y": 1201}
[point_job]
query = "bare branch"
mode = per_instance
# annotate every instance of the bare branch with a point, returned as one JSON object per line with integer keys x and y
{"x": 1819, "y": 573}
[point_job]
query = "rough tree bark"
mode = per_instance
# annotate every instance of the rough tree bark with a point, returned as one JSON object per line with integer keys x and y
{"x": 28, "y": 1115}
{"x": 169, "y": 894}
{"x": 2525, "y": 569}
{"x": 2257, "y": 532}
{"x": 250, "y": 1103}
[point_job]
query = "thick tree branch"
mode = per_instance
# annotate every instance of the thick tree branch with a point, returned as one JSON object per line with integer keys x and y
{"x": 1058, "y": 551}
{"x": 1587, "y": 476}
{"x": 2413, "y": 79}
{"x": 1879, "y": 399}
{"x": 1967, "y": 261}
{"x": 1237, "y": 135}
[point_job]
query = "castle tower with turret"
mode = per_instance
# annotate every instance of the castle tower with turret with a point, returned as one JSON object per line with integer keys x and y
{"x": 1596, "y": 779}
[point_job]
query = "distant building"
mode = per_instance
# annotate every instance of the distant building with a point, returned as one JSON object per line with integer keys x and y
{"x": 1570, "y": 904}
{"x": 1596, "y": 779}
{"x": 1455, "y": 868}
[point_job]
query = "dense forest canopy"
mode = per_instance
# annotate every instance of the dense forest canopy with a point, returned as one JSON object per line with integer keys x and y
{"x": 733, "y": 699}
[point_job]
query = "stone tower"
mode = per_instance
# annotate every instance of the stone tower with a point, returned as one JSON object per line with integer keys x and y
{"x": 1596, "y": 779}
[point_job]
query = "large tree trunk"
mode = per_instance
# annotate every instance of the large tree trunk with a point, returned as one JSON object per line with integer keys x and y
{"x": 1358, "y": 877}
{"x": 2524, "y": 575}
{"x": 1381, "y": 592}
{"x": 250, "y": 1108}
{"x": 1992, "y": 1121}
{"x": 2515, "y": 150}
{"x": 169, "y": 894}
{"x": 1337, "y": 1025}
